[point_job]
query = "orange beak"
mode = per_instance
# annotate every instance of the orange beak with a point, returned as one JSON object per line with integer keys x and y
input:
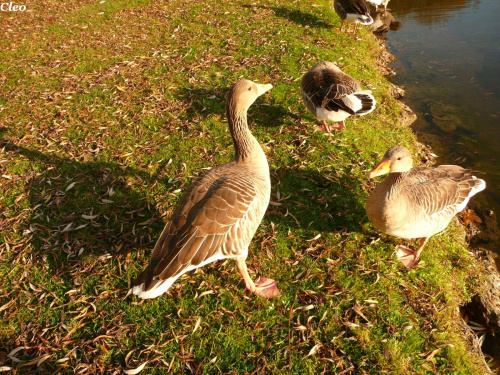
{"x": 381, "y": 168}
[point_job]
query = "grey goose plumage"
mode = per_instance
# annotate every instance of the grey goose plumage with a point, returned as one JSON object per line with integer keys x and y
{"x": 417, "y": 202}
{"x": 332, "y": 95}
{"x": 219, "y": 213}
{"x": 352, "y": 11}
{"x": 383, "y": 22}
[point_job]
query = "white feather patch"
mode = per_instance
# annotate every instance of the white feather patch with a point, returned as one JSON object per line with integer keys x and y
{"x": 163, "y": 286}
{"x": 473, "y": 191}
{"x": 326, "y": 115}
{"x": 359, "y": 18}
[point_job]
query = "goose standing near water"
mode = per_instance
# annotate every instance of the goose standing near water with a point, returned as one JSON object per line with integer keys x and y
{"x": 417, "y": 202}
{"x": 219, "y": 213}
{"x": 332, "y": 95}
{"x": 352, "y": 11}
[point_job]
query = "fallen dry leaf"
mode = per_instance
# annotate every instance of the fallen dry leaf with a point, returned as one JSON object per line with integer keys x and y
{"x": 135, "y": 370}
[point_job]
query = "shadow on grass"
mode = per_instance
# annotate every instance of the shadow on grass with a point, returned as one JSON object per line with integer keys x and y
{"x": 267, "y": 115}
{"x": 294, "y": 15}
{"x": 79, "y": 211}
{"x": 320, "y": 202}
{"x": 202, "y": 103}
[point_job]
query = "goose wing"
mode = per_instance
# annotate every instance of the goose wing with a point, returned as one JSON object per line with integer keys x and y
{"x": 354, "y": 6}
{"x": 329, "y": 89}
{"x": 211, "y": 207}
{"x": 444, "y": 190}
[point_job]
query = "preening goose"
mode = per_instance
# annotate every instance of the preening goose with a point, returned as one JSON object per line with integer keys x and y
{"x": 376, "y": 3}
{"x": 219, "y": 213}
{"x": 383, "y": 22}
{"x": 417, "y": 202}
{"x": 352, "y": 11}
{"x": 332, "y": 95}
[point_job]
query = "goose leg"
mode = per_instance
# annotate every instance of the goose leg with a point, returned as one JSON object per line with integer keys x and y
{"x": 354, "y": 32}
{"x": 423, "y": 241}
{"x": 323, "y": 127}
{"x": 408, "y": 256}
{"x": 262, "y": 286}
{"x": 329, "y": 128}
{"x": 341, "y": 25}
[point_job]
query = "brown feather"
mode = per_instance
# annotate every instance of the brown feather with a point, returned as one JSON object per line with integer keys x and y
{"x": 211, "y": 207}
{"x": 190, "y": 248}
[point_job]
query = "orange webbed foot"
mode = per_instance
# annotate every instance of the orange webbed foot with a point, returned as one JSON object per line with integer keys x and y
{"x": 407, "y": 256}
{"x": 267, "y": 288}
{"x": 329, "y": 128}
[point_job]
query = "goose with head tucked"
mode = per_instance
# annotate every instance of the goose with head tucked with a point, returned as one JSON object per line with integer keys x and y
{"x": 352, "y": 11}
{"x": 332, "y": 95}
{"x": 219, "y": 213}
{"x": 417, "y": 202}
{"x": 383, "y": 22}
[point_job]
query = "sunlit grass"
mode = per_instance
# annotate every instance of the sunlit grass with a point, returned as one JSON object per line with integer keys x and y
{"x": 106, "y": 118}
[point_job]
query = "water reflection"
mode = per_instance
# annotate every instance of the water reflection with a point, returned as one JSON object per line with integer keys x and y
{"x": 448, "y": 59}
{"x": 428, "y": 12}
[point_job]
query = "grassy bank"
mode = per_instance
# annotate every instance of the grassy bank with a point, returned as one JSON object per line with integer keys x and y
{"x": 108, "y": 110}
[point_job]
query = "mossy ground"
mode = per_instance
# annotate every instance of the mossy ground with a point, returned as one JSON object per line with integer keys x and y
{"x": 107, "y": 111}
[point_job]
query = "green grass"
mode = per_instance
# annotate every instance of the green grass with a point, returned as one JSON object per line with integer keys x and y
{"x": 107, "y": 117}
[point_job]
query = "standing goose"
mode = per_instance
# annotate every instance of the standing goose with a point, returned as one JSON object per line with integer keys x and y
{"x": 219, "y": 213}
{"x": 352, "y": 11}
{"x": 332, "y": 95}
{"x": 417, "y": 202}
{"x": 376, "y": 4}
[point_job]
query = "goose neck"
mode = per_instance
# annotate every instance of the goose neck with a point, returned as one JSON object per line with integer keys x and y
{"x": 244, "y": 142}
{"x": 395, "y": 182}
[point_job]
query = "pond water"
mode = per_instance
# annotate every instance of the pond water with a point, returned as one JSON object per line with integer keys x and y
{"x": 448, "y": 60}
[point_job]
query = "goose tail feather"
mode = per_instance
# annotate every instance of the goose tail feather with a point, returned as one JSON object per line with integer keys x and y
{"x": 365, "y": 20}
{"x": 156, "y": 289}
{"x": 367, "y": 102}
{"x": 479, "y": 186}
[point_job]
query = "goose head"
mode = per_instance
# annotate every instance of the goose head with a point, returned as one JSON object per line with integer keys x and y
{"x": 243, "y": 93}
{"x": 397, "y": 159}
{"x": 395, "y": 25}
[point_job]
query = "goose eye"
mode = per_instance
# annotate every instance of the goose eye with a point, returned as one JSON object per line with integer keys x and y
{"x": 249, "y": 88}
{"x": 399, "y": 158}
